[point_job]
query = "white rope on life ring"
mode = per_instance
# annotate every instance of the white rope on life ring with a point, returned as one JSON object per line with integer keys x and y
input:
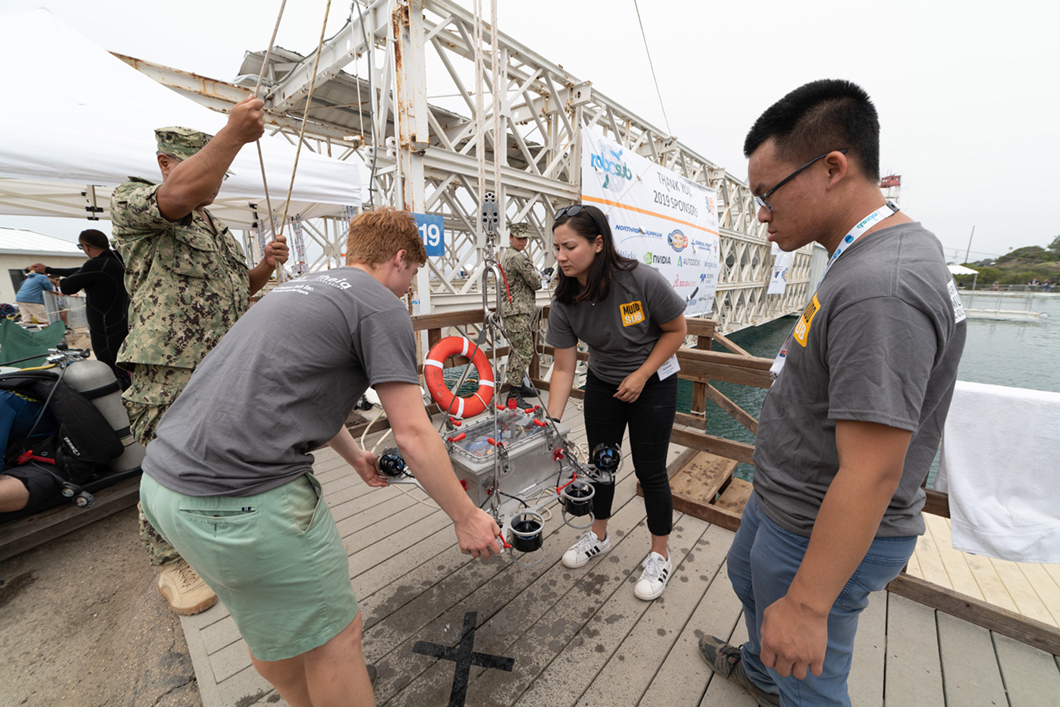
{"x": 451, "y": 403}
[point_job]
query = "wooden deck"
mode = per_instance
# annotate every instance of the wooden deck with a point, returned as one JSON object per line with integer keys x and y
{"x": 1026, "y": 588}
{"x": 580, "y": 636}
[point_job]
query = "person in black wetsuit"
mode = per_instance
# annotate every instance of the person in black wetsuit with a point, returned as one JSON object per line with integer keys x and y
{"x": 102, "y": 277}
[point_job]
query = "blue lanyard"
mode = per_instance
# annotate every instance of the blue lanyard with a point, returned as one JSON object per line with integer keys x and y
{"x": 888, "y": 209}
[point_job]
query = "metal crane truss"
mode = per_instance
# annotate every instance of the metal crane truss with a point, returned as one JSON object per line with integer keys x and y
{"x": 426, "y": 153}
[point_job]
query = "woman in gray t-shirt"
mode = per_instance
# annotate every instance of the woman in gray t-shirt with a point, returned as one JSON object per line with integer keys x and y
{"x": 633, "y": 322}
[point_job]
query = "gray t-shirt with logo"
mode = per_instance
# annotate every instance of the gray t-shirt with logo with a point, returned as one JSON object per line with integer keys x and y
{"x": 880, "y": 342}
{"x": 281, "y": 382}
{"x": 620, "y": 330}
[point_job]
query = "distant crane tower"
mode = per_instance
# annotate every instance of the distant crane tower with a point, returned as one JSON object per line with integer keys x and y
{"x": 891, "y": 186}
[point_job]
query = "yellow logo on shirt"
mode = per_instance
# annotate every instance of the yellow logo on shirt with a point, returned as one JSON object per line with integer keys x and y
{"x": 632, "y": 313}
{"x": 802, "y": 329}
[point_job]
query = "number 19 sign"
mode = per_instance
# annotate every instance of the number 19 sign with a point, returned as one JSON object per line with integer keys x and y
{"x": 432, "y": 232}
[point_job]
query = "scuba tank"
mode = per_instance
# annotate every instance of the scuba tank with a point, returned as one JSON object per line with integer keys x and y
{"x": 94, "y": 380}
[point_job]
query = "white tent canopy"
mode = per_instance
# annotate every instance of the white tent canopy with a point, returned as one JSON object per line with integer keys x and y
{"x": 961, "y": 270}
{"x": 80, "y": 121}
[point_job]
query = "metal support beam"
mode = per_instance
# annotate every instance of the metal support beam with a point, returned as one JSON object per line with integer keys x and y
{"x": 413, "y": 130}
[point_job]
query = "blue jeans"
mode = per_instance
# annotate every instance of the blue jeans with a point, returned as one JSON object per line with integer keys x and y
{"x": 762, "y": 563}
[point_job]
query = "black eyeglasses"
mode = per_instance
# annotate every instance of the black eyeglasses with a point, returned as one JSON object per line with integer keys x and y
{"x": 572, "y": 210}
{"x": 80, "y": 247}
{"x": 761, "y": 200}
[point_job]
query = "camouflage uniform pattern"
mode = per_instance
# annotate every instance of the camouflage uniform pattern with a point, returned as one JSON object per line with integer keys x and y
{"x": 523, "y": 282}
{"x": 181, "y": 142}
{"x": 188, "y": 284}
{"x": 153, "y": 390}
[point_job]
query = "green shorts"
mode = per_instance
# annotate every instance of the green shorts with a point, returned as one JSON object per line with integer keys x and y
{"x": 276, "y": 561}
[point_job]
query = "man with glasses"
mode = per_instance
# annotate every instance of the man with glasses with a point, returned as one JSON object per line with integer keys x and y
{"x": 853, "y": 420}
{"x": 188, "y": 284}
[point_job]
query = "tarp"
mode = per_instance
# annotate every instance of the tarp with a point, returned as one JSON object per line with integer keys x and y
{"x": 657, "y": 217}
{"x": 78, "y": 121}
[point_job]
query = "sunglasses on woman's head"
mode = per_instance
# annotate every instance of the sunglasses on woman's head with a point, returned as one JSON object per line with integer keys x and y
{"x": 572, "y": 210}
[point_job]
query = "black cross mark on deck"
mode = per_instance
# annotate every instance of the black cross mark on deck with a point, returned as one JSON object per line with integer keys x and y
{"x": 464, "y": 657}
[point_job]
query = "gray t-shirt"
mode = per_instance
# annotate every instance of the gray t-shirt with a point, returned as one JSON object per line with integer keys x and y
{"x": 885, "y": 334}
{"x": 281, "y": 382}
{"x": 622, "y": 329}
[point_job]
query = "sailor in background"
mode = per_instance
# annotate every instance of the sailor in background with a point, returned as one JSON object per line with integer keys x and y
{"x": 188, "y": 284}
{"x": 853, "y": 420}
{"x": 518, "y": 307}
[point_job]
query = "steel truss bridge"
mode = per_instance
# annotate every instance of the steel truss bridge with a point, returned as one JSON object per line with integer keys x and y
{"x": 396, "y": 86}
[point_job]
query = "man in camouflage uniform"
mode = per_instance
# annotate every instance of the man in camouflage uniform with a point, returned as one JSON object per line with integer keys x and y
{"x": 523, "y": 281}
{"x": 188, "y": 284}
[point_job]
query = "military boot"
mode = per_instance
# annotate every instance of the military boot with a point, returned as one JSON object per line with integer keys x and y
{"x": 185, "y": 591}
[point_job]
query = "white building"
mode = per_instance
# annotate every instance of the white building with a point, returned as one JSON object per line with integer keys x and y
{"x": 20, "y": 248}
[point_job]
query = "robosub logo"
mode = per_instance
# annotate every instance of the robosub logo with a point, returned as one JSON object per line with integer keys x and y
{"x": 609, "y": 162}
{"x": 652, "y": 259}
{"x": 677, "y": 240}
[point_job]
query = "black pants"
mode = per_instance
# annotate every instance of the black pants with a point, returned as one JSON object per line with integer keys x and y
{"x": 650, "y": 418}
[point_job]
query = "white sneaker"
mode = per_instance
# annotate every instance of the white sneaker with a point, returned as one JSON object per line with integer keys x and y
{"x": 587, "y": 547}
{"x": 654, "y": 577}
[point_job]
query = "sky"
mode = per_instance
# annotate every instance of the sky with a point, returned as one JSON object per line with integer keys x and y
{"x": 967, "y": 93}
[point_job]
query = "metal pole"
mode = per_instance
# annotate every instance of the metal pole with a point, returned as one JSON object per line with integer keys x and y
{"x": 969, "y": 245}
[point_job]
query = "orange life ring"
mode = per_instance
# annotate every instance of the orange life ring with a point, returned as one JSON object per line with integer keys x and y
{"x": 432, "y": 375}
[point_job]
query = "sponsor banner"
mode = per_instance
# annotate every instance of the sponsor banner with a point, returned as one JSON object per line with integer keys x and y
{"x": 657, "y": 217}
{"x": 781, "y": 268}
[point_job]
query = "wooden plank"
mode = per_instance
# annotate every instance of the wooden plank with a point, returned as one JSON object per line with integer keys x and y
{"x": 735, "y": 411}
{"x": 446, "y": 319}
{"x": 960, "y": 574}
{"x": 626, "y": 676}
{"x": 1027, "y": 600}
{"x": 914, "y": 673}
{"x": 27, "y": 533}
{"x": 696, "y": 421}
{"x": 865, "y": 684}
{"x": 969, "y": 665}
{"x": 729, "y": 344}
{"x": 931, "y": 565}
{"x": 593, "y": 647}
{"x": 683, "y": 677}
{"x": 913, "y": 567}
{"x": 733, "y": 370}
{"x": 937, "y": 503}
{"x": 698, "y": 481}
{"x": 735, "y": 496}
{"x": 739, "y": 451}
{"x": 994, "y": 590}
{"x": 719, "y": 516}
{"x": 531, "y": 625}
{"x": 700, "y": 327}
{"x": 999, "y": 620}
{"x": 1046, "y": 588}
{"x": 1031, "y": 676}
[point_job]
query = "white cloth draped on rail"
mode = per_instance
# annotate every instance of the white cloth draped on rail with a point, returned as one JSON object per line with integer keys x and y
{"x": 1001, "y": 468}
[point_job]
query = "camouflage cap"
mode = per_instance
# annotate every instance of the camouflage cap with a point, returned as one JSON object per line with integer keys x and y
{"x": 520, "y": 230}
{"x": 181, "y": 142}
